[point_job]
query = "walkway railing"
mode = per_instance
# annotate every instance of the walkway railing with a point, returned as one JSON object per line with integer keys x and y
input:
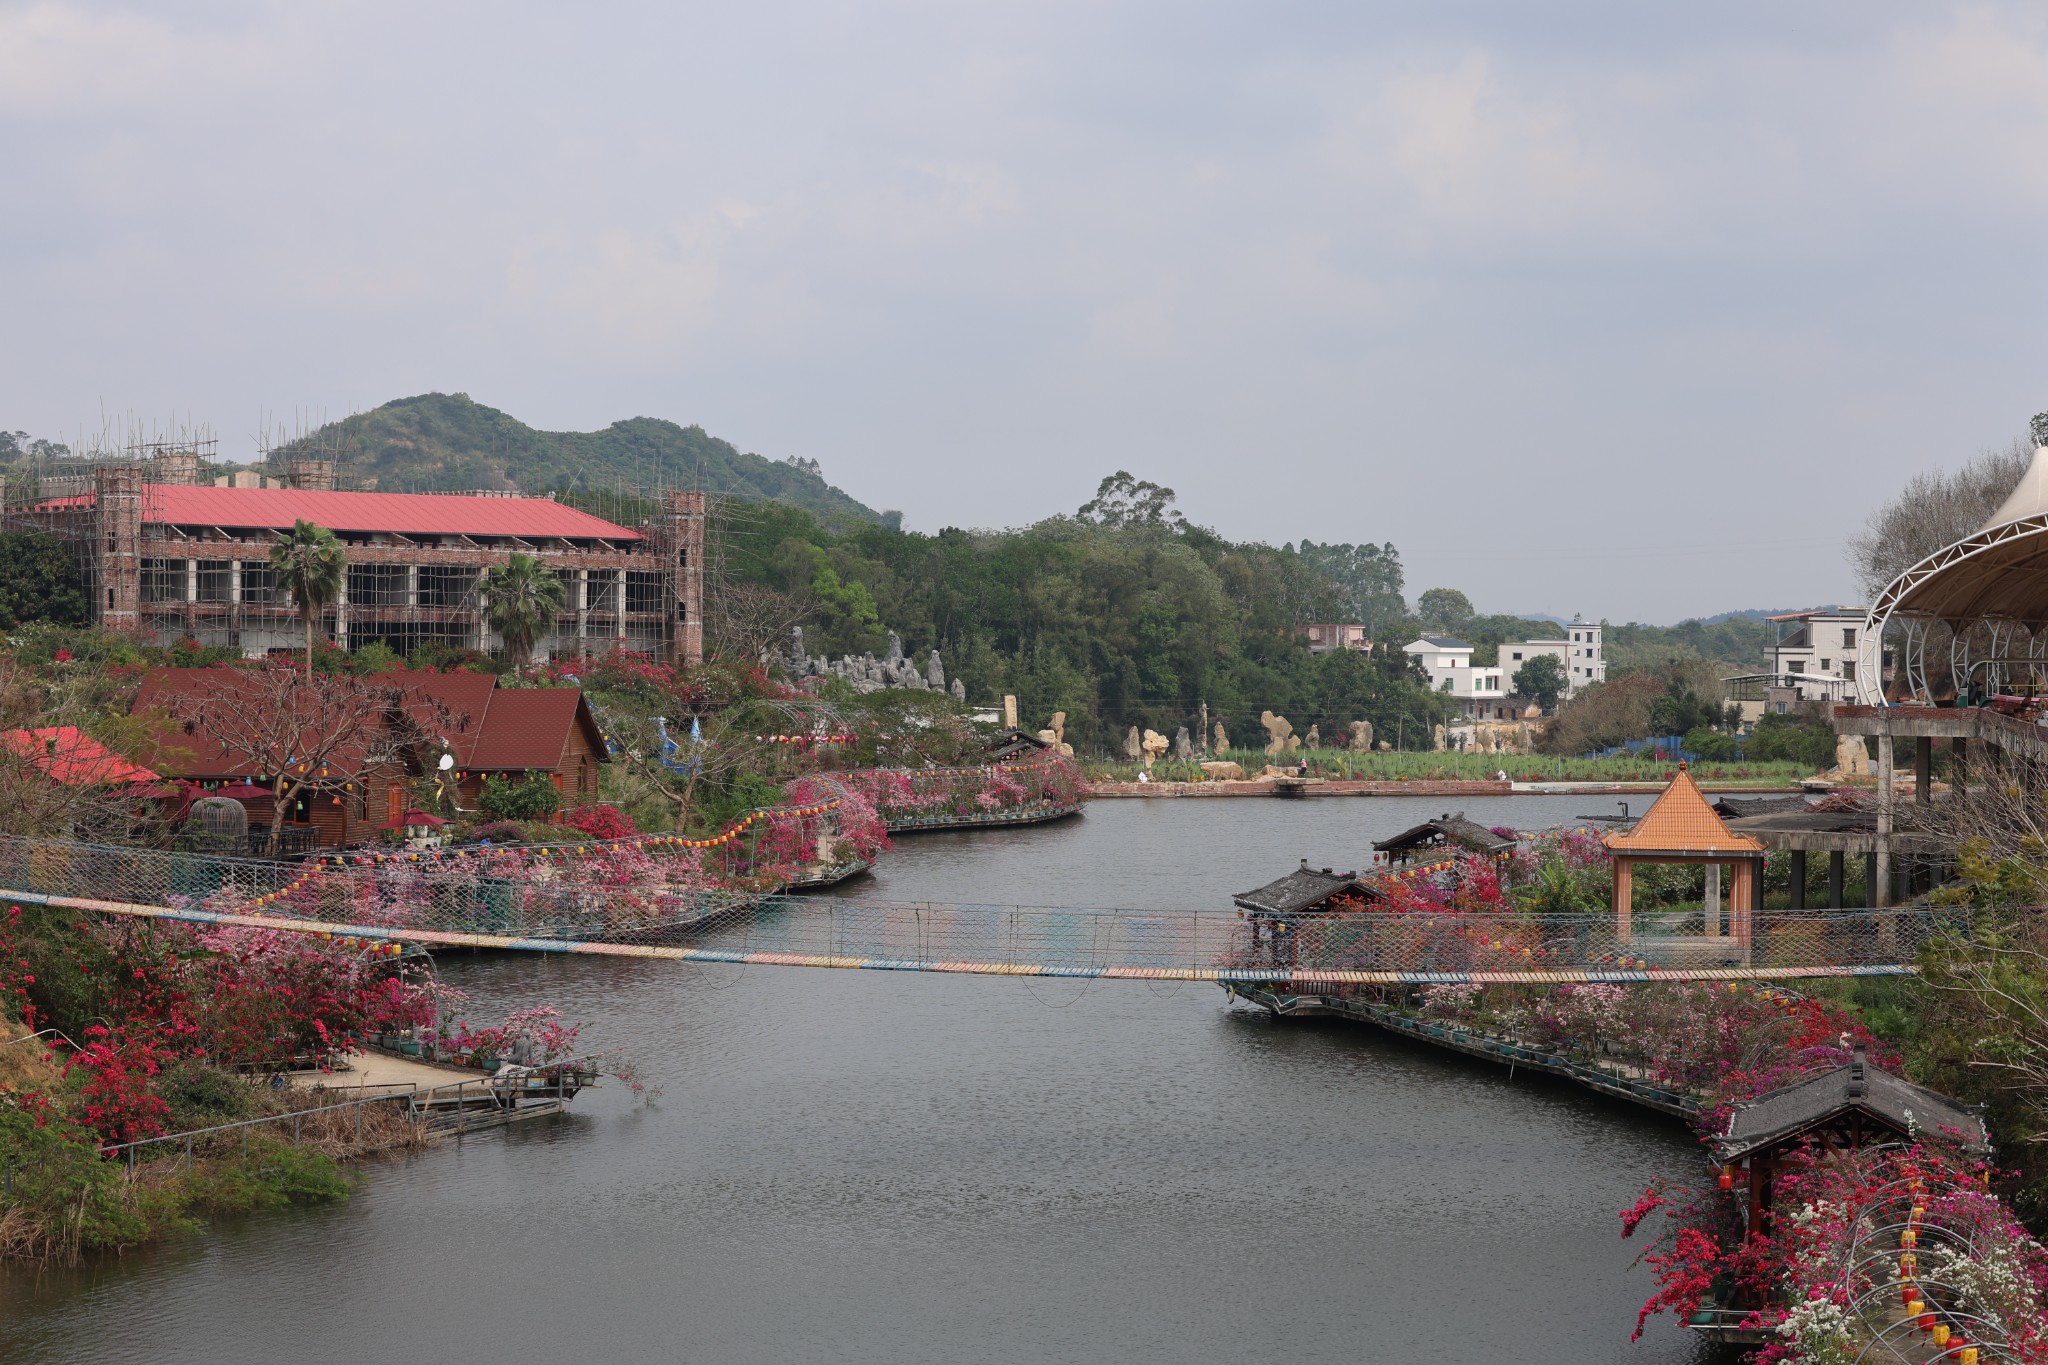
{"x": 548, "y": 911}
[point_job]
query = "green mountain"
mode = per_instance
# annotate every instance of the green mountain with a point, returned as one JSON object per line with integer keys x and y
{"x": 441, "y": 441}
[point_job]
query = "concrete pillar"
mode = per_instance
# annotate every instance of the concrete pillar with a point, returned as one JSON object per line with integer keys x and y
{"x": 619, "y": 607}
{"x": 1837, "y": 876}
{"x": 1798, "y": 879}
{"x": 1958, "y": 764}
{"x": 1879, "y": 882}
{"x": 582, "y": 610}
{"x": 191, "y": 580}
{"x": 341, "y": 612}
{"x": 1712, "y": 909}
{"x": 1923, "y": 770}
{"x": 412, "y": 585}
{"x": 1875, "y": 869}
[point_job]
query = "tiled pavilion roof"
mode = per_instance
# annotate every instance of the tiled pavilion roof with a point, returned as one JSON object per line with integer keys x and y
{"x": 1681, "y": 823}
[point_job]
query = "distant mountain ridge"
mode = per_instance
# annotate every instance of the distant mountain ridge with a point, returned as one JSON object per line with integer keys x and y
{"x": 443, "y": 441}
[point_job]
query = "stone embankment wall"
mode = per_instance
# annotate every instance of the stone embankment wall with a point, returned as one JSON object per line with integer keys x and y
{"x": 1268, "y": 787}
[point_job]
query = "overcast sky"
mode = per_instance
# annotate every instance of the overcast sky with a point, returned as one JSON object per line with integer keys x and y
{"x": 1627, "y": 309}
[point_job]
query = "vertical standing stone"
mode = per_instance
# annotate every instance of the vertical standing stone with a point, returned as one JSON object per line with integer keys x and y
{"x": 1881, "y": 860}
{"x": 1712, "y": 908}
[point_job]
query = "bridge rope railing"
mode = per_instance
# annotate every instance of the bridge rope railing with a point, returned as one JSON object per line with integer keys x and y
{"x": 563, "y": 907}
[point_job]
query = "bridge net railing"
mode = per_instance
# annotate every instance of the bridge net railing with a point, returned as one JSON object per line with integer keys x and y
{"x": 569, "y": 903}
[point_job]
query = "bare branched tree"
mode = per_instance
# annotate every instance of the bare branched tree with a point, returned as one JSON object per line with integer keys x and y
{"x": 746, "y": 618}
{"x": 1936, "y": 508}
{"x": 89, "y": 802}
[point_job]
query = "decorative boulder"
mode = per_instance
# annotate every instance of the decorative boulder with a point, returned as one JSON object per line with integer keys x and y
{"x": 1222, "y": 741}
{"x": 1155, "y": 745}
{"x": 1218, "y": 771}
{"x": 1183, "y": 747}
{"x": 1314, "y": 738}
{"x": 1361, "y": 734}
{"x": 1278, "y": 731}
{"x": 1133, "y": 746}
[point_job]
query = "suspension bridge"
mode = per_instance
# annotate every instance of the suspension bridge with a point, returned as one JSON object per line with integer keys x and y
{"x": 586, "y": 907}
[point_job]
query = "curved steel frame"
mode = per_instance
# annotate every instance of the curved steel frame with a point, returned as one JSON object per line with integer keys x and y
{"x": 1915, "y": 627}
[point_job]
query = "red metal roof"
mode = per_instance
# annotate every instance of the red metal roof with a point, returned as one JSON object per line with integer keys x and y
{"x": 68, "y": 755}
{"x": 528, "y": 727}
{"x": 429, "y": 514}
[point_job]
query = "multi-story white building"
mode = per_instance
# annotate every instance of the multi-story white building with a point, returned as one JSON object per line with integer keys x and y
{"x": 1448, "y": 662}
{"x": 1816, "y": 653}
{"x": 1579, "y": 652}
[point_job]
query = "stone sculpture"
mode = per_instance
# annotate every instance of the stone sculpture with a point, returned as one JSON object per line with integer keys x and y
{"x": 1436, "y": 739}
{"x": 895, "y": 655}
{"x": 1851, "y": 756}
{"x": 1279, "y": 730}
{"x": 1386, "y": 746}
{"x": 1183, "y": 747}
{"x": 1155, "y": 745}
{"x": 1216, "y": 770}
{"x": 1133, "y": 746}
{"x": 1361, "y": 735}
{"x": 959, "y": 691}
{"x": 1314, "y": 738}
{"x": 935, "y": 673}
{"x": 1222, "y": 741}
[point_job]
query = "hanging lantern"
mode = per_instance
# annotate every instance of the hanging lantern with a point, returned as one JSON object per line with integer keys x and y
{"x": 1727, "y": 1180}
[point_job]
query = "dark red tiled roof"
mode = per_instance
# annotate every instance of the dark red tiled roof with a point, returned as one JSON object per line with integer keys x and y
{"x": 528, "y": 728}
{"x": 406, "y": 513}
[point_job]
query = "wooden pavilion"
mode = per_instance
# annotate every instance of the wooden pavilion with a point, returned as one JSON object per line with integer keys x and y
{"x": 1836, "y": 1111}
{"x": 1680, "y": 827}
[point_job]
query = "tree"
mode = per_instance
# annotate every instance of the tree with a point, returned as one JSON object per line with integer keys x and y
{"x": 1936, "y": 508}
{"x": 531, "y": 799}
{"x": 521, "y": 598}
{"x": 38, "y": 581}
{"x": 310, "y": 562}
{"x": 1444, "y": 609}
{"x": 1542, "y": 678}
{"x": 1122, "y": 502}
{"x": 1368, "y": 577}
{"x": 308, "y": 736}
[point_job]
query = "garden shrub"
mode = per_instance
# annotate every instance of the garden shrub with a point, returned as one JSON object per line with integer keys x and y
{"x": 532, "y": 799}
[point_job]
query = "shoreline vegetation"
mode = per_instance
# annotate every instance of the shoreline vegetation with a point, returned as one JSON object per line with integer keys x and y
{"x": 1337, "y": 765}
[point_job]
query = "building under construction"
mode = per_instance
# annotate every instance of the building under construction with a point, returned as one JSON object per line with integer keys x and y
{"x": 160, "y": 552}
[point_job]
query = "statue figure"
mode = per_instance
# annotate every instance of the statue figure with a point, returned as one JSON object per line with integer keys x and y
{"x": 895, "y": 648}
{"x": 799, "y": 662}
{"x": 959, "y": 690}
{"x": 1314, "y": 738}
{"x": 1278, "y": 731}
{"x": 935, "y": 673}
{"x": 1183, "y": 747}
{"x": 1133, "y": 746}
{"x": 1222, "y": 742}
{"x": 1436, "y": 739}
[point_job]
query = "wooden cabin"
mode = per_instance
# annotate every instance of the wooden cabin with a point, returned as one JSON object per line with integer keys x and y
{"x": 513, "y": 734}
{"x": 1442, "y": 837}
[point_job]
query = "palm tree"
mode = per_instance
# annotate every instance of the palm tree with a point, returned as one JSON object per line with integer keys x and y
{"x": 521, "y": 597}
{"x": 309, "y": 562}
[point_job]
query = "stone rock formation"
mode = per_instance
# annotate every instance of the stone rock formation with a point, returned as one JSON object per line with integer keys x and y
{"x": 959, "y": 691}
{"x": 1183, "y": 747}
{"x": 1216, "y": 770}
{"x": 1133, "y": 746}
{"x": 1278, "y": 731}
{"x": 1361, "y": 735}
{"x": 1386, "y": 746}
{"x": 895, "y": 655}
{"x": 935, "y": 673}
{"x": 1222, "y": 740}
{"x": 1852, "y": 757}
{"x": 1155, "y": 745}
{"x": 1314, "y": 738}
{"x": 866, "y": 673}
{"x": 1436, "y": 739}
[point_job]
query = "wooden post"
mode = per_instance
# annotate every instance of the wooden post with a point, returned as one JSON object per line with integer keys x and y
{"x": 1624, "y": 899}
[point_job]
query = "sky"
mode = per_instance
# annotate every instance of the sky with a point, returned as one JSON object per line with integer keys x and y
{"x": 1629, "y": 310}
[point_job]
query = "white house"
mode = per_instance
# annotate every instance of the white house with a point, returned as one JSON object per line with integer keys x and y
{"x": 1449, "y": 665}
{"x": 1579, "y": 651}
{"x": 1816, "y": 653}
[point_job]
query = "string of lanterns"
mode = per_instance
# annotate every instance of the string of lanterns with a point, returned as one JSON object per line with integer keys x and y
{"x": 565, "y": 852}
{"x": 805, "y": 741}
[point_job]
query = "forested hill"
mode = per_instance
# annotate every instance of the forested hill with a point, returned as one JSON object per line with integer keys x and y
{"x": 448, "y": 440}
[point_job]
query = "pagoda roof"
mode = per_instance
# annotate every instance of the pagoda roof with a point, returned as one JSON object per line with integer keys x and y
{"x": 1304, "y": 889}
{"x": 1680, "y": 823}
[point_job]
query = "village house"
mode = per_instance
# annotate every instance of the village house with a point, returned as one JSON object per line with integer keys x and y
{"x": 1815, "y": 656}
{"x": 1448, "y": 662}
{"x": 1326, "y": 636}
{"x": 1578, "y": 650}
{"x": 514, "y": 734}
{"x": 162, "y": 553}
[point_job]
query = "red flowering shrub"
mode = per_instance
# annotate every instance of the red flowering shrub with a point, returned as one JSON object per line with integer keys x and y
{"x": 600, "y": 822}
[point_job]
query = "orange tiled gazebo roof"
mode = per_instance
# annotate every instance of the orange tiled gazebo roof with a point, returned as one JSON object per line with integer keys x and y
{"x": 1681, "y": 823}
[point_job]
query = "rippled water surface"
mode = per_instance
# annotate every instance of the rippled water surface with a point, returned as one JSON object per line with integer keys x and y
{"x": 885, "y": 1167}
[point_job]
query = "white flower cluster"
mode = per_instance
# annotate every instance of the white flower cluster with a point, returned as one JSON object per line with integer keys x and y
{"x": 1991, "y": 1279}
{"x": 1820, "y": 1330}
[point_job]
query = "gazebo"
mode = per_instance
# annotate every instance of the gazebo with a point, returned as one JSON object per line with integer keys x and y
{"x": 1680, "y": 827}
